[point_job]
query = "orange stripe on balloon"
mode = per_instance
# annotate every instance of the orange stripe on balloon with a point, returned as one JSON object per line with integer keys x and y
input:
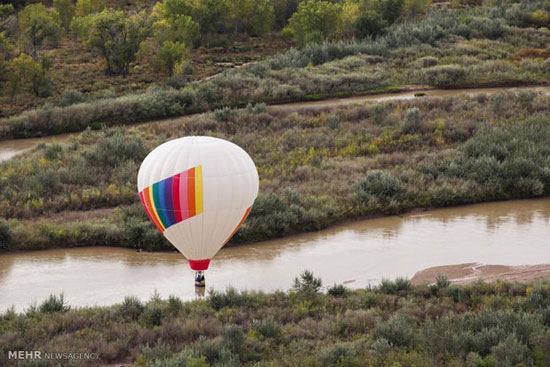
{"x": 239, "y": 225}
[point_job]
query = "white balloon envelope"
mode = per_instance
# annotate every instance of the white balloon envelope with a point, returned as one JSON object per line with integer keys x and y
{"x": 198, "y": 191}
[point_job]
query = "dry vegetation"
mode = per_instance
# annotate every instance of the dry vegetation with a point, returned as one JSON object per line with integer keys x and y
{"x": 317, "y": 167}
{"x": 497, "y": 324}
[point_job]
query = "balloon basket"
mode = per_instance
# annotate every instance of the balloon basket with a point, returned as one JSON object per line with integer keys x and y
{"x": 200, "y": 281}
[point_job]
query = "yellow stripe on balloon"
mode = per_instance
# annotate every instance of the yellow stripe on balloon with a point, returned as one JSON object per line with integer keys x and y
{"x": 198, "y": 190}
{"x": 154, "y": 208}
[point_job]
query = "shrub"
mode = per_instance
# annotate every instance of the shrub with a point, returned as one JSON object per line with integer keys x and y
{"x": 397, "y": 286}
{"x": 233, "y": 337}
{"x": 54, "y": 304}
{"x": 117, "y": 147}
{"x": 412, "y": 124}
{"x": 256, "y": 108}
{"x": 379, "y": 114}
{"x": 399, "y": 331}
{"x": 427, "y": 61}
{"x": 538, "y": 297}
{"x": 456, "y": 293}
{"x": 225, "y": 114}
{"x": 369, "y": 24}
{"x": 444, "y": 76}
{"x": 70, "y": 97}
{"x": 338, "y": 290}
{"x": 333, "y": 122}
{"x": 153, "y": 314}
{"x": 268, "y": 327}
{"x": 216, "y": 353}
{"x": 339, "y": 355}
{"x": 6, "y": 236}
{"x": 540, "y": 18}
{"x": 231, "y": 298}
{"x": 377, "y": 184}
{"x": 132, "y": 308}
{"x": 511, "y": 353}
{"x": 307, "y": 283}
{"x": 541, "y": 342}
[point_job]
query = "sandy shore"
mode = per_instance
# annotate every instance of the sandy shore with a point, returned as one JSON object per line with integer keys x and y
{"x": 470, "y": 272}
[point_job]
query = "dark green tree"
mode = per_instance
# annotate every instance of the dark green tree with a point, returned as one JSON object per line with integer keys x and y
{"x": 39, "y": 27}
{"x": 118, "y": 37}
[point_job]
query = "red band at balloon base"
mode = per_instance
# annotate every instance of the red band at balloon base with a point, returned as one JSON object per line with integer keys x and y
{"x": 198, "y": 265}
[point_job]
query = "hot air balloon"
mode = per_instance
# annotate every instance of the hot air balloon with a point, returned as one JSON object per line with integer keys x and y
{"x": 198, "y": 191}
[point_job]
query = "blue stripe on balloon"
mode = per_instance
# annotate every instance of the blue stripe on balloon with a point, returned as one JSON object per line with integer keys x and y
{"x": 164, "y": 207}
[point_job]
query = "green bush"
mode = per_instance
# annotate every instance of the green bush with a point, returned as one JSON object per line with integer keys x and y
{"x": 70, "y": 97}
{"x": 54, "y": 304}
{"x": 231, "y": 298}
{"x": 268, "y": 328}
{"x": 234, "y": 338}
{"x": 339, "y": 355}
{"x": 132, "y": 308}
{"x": 445, "y": 76}
{"x": 412, "y": 124}
{"x": 153, "y": 314}
{"x": 6, "y": 236}
{"x": 369, "y": 24}
{"x": 511, "y": 353}
{"x": 397, "y": 286}
{"x": 338, "y": 290}
{"x": 399, "y": 331}
{"x": 427, "y": 61}
{"x": 379, "y": 185}
{"x": 307, "y": 283}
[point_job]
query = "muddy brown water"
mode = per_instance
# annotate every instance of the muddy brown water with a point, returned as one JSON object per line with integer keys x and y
{"x": 10, "y": 148}
{"x": 356, "y": 254}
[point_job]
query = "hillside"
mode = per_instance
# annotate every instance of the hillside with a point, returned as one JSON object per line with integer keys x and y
{"x": 445, "y": 46}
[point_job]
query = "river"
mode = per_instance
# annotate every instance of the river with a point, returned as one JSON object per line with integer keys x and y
{"x": 10, "y": 148}
{"x": 355, "y": 253}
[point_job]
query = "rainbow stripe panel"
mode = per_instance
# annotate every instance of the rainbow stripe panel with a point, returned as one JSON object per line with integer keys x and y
{"x": 174, "y": 199}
